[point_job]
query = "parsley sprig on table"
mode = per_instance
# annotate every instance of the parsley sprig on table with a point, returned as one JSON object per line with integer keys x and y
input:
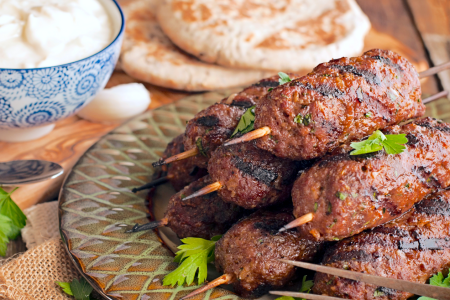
{"x": 194, "y": 254}
{"x": 392, "y": 144}
{"x": 306, "y": 288}
{"x": 12, "y": 220}
{"x": 79, "y": 289}
{"x": 246, "y": 123}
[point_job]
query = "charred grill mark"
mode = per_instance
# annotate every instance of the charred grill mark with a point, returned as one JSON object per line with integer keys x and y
{"x": 435, "y": 206}
{"x": 272, "y": 226}
{"x": 355, "y": 255}
{"x": 324, "y": 90}
{"x": 425, "y": 244}
{"x": 368, "y": 76}
{"x": 386, "y": 291}
{"x": 412, "y": 139}
{"x": 208, "y": 121}
{"x": 441, "y": 127}
{"x": 260, "y": 174}
{"x": 388, "y": 62}
{"x": 267, "y": 83}
{"x": 242, "y": 103}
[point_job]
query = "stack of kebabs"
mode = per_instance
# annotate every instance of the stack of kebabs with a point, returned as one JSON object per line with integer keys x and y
{"x": 300, "y": 150}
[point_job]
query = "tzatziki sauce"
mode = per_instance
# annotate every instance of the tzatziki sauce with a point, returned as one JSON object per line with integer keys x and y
{"x": 44, "y": 33}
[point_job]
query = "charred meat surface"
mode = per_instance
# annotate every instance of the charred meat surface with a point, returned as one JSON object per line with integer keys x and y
{"x": 414, "y": 247}
{"x": 202, "y": 217}
{"x": 211, "y": 127}
{"x": 250, "y": 249}
{"x": 251, "y": 177}
{"x": 343, "y": 100}
{"x": 349, "y": 194}
{"x": 183, "y": 172}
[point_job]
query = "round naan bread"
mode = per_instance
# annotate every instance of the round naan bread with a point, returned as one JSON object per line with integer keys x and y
{"x": 282, "y": 35}
{"x": 150, "y": 56}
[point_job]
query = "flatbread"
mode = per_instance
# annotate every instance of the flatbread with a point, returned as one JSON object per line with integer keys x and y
{"x": 282, "y": 35}
{"x": 150, "y": 56}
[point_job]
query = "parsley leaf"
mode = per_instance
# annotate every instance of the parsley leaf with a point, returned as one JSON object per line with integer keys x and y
{"x": 306, "y": 288}
{"x": 65, "y": 286}
{"x": 246, "y": 123}
{"x": 200, "y": 148}
{"x": 81, "y": 289}
{"x": 194, "y": 254}
{"x": 6, "y": 227}
{"x": 284, "y": 78}
{"x": 392, "y": 144}
{"x": 438, "y": 280}
{"x": 9, "y": 208}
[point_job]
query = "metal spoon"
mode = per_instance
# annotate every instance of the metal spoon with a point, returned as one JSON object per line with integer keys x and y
{"x": 28, "y": 171}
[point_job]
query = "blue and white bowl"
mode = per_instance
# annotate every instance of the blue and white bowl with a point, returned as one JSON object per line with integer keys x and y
{"x": 32, "y": 100}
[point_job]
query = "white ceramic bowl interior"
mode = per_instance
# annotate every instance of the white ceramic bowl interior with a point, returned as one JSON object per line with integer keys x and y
{"x": 32, "y": 100}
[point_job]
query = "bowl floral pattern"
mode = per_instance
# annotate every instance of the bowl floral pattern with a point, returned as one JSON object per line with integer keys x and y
{"x": 41, "y": 96}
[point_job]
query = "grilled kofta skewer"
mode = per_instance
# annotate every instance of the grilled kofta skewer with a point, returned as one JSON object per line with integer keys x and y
{"x": 347, "y": 194}
{"x": 178, "y": 173}
{"x": 248, "y": 254}
{"x": 413, "y": 248}
{"x": 343, "y": 100}
{"x": 202, "y": 217}
{"x": 215, "y": 124}
{"x": 250, "y": 177}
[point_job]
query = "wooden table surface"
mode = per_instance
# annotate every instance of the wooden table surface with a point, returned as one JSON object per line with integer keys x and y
{"x": 417, "y": 29}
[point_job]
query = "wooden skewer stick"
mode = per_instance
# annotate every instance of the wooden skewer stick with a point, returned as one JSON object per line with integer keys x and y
{"x": 148, "y": 226}
{"x": 152, "y": 184}
{"x": 435, "y": 97}
{"x": 298, "y": 222}
{"x": 179, "y": 156}
{"x": 224, "y": 279}
{"x": 252, "y": 135}
{"x": 303, "y": 295}
{"x": 434, "y": 70}
{"x": 206, "y": 190}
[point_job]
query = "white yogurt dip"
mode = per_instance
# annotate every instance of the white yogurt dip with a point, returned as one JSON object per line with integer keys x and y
{"x": 43, "y": 33}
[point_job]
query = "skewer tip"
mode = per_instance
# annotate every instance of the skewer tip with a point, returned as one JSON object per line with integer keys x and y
{"x": 252, "y": 135}
{"x": 298, "y": 222}
{"x": 224, "y": 279}
{"x": 148, "y": 226}
{"x": 206, "y": 190}
{"x": 159, "y": 163}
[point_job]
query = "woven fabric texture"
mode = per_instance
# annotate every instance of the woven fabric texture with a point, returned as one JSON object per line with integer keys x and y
{"x": 32, "y": 275}
{"x": 42, "y": 224}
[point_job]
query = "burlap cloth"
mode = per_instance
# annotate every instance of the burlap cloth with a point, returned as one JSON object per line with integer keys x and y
{"x": 32, "y": 275}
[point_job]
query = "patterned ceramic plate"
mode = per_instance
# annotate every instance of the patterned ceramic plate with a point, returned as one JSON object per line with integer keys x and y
{"x": 96, "y": 206}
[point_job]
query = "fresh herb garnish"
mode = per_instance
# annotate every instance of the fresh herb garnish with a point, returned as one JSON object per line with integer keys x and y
{"x": 392, "y": 144}
{"x": 341, "y": 195}
{"x": 378, "y": 293}
{"x": 306, "y": 288}
{"x": 438, "y": 280}
{"x": 270, "y": 89}
{"x": 305, "y": 120}
{"x": 12, "y": 220}
{"x": 200, "y": 148}
{"x": 246, "y": 123}
{"x": 284, "y": 78}
{"x": 80, "y": 289}
{"x": 194, "y": 254}
{"x": 368, "y": 114}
